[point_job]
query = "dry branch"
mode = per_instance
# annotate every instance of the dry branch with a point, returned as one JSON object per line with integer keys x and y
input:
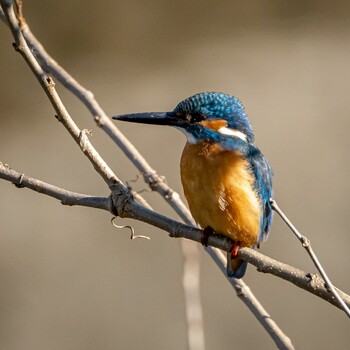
{"x": 121, "y": 200}
{"x": 155, "y": 181}
{"x": 125, "y": 206}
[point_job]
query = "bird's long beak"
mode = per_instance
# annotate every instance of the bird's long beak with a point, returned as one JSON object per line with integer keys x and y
{"x": 157, "y": 118}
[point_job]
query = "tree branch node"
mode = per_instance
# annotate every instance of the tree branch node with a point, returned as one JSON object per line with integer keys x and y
{"x": 154, "y": 180}
{"x": 49, "y": 82}
{"x": 19, "y": 184}
{"x": 84, "y": 138}
{"x": 314, "y": 280}
{"x": 121, "y": 197}
{"x": 99, "y": 121}
{"x": 305, "y": 242}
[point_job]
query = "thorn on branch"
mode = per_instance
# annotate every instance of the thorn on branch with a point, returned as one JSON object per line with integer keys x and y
{"x": 133, "y": 236}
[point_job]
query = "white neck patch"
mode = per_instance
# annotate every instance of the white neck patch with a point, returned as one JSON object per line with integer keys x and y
{"x": 190, "y": 138}
{"x": 224, "y": 131}
{"x": 233, "y": 132}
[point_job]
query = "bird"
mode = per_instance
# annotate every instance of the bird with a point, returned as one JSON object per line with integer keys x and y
{"x": 226, "y": 179}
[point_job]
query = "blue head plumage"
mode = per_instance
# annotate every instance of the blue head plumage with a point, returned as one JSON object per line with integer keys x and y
{"x": 215, "y": 105}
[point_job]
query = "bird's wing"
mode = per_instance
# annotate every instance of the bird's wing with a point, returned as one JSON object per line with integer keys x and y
{"x": 263, "y": 185}
{"x": 263, "y": 174}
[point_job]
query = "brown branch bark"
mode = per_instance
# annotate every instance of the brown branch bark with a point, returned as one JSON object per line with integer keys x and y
{"x": 121, "y": 199}
{"x": 48, "y": 85}
{"x": 156, "y": 182}
{"x": 125, "y": 206}
{"x": 64, "y": 196}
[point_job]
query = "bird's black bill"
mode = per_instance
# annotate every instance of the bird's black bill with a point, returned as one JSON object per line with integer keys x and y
{"x": 157, "y": 118}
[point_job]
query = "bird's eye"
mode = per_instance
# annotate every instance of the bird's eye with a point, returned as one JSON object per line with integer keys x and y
{"x": 197, "y": 117}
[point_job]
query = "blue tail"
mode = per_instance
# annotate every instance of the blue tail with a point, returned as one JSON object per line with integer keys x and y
{"x": 236, "y": 268}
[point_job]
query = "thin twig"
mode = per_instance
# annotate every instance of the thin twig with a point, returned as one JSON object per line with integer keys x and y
{"x": 48, "y": 85}
{"x": 150, "y": 176}
{"x": 104, "y": 122}
{"x": 305, "y": 242}
{"x": 248, "y": 298}
{"x": 156, "y": 182}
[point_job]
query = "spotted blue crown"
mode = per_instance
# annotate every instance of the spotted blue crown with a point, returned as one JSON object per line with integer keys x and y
{"x": 218, "y": 106}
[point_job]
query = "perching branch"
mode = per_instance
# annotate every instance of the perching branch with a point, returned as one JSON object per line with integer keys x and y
{"x": 125, "y": 206}
{"x": 121, "y": 198}
{"x": 155, "y": 181}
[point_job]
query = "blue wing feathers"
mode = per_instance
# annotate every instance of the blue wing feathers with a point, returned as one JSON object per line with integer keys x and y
{"x": 263, "y": 185}
{"x": 260, "y": 168}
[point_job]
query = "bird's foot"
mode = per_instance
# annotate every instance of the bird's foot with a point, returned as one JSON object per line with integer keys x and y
{"x": 235, "y": 249}
{"x": 205, "y": 235}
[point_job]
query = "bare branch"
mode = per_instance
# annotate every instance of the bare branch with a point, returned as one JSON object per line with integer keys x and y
{"x": 305, "y": 242}
{"x": 311, "y": 282}
{"x": 248, "y": 298}
{"x": 125, "y": 206}
{"x": 307, "y": 281}
{"x": 48, "y": 85}
{"x": 155, "y": 181}
{"x": 124, "y": 203}
{"x": 66, "y": 197}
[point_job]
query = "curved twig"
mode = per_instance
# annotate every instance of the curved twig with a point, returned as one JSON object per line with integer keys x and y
{"x": 156, "y": 182}
{"x": 305, "y": 242}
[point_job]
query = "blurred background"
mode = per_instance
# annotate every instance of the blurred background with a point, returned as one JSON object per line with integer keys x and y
{"x": 69, "y": 280}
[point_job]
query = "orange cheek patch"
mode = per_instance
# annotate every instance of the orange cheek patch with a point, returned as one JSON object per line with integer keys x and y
{"x": 214, "y": 124}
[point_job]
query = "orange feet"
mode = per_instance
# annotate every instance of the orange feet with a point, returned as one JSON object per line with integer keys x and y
{"x": 235, "y": 249}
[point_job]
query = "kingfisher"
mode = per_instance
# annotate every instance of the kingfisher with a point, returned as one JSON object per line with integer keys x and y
{"x": 226, "y": 179}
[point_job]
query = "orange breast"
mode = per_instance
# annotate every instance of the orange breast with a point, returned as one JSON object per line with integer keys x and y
{"x": 219, "y": 190}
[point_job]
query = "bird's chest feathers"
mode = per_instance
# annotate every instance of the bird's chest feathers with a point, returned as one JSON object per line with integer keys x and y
{"x": 219, "y": 188}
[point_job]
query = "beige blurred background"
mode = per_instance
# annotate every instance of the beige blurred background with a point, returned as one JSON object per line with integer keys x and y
{"x": 69, "y": 280}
